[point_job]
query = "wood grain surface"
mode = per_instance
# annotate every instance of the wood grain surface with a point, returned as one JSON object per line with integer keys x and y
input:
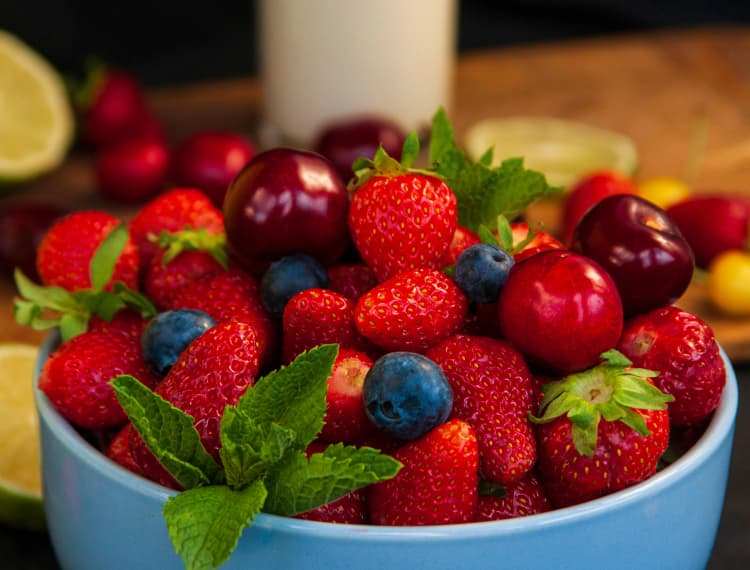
{"x": 652, "y": 87}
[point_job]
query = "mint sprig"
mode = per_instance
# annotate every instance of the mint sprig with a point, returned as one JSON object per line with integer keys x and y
{"x": 264, "y": 464}
{"x": 46, "y": 307}
{"x": 483, "y": 193}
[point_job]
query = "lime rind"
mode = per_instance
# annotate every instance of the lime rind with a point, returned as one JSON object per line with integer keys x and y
{"x": 53, "y": 143}
{"x": 20, "y": 509}
{"x": 563, "y": 150}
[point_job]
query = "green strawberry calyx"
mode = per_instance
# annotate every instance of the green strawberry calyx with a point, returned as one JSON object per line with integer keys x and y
{"x": 45, "y": 307}
{"x": 384, "y": 165}
{"x": 191, "y": 239}
{"x": 264, "y": 466}
{"x": 611, "y": 390}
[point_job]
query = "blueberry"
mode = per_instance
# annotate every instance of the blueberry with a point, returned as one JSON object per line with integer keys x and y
{"x": 481, "y": 271}
{"x": 169, "y": 333}
{"x": 406, "y": 395}
{"x": 287, "y": 277}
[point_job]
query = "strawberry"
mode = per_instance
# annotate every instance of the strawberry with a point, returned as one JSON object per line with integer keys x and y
{"x": 493, "y": 393}
{"x": 64, "y": 255}
{"x": 462, "y": 238}
{"x": 537, "y": 242}
{"x": 522, "y": 498}
{"x": 345, "y": 418}
{"x": 125, "y": 321}
{"x": 401, "y": 219}
{"x": 118, "y": 450}
{"x": 235, "y": 295}
{"x": 349, "y": 509}
{"x": 211, "y": 373}
{"x": 173, "y": 211}
{"x": 318, "y": 316}
{"x": 601, "y": 430}
{"x": 437, "y": 484}
{"x": 682, "y": 347}
{"x": 411, "y": 311}
{"x": 185, "y": 255}
{"x": 351, "y": 280}
{"x": 76, "y": 376}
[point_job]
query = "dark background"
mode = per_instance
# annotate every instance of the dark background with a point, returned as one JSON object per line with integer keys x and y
{"x": 170, "y": 41}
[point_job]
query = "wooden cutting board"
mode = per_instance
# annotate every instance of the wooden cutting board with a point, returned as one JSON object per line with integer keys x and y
{"x": 650, "y": 86}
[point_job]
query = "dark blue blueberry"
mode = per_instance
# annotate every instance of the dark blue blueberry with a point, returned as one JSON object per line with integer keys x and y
{"x": 169, "y": 333}
{"x": 287, "y": 277}
{"x": 481, "y": 271}
{"x": 406, "y": 395}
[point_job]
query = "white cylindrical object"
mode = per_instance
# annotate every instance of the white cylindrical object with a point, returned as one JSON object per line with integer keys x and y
{"x": 326, "y": 60}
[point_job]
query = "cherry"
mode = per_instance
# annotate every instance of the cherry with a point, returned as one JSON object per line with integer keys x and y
{"x": 22, "y": 227}
{"x": 132, "y": 170}
{"x": 344, "y": 141}
{"x": 712, "y": 224}
{"x": 587, "y": 192}
{"x": 561, "y": 310}
{"x": 640, "y": 247}
{"x": 286, "y": 201}
{"x": 209, "y": 160}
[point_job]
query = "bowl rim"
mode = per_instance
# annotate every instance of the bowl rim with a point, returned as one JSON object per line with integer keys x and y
{"x": 717, "y": 430}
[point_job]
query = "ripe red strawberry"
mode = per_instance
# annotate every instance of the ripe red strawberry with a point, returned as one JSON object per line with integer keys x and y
{"x": 185, "y": 255}
{"x": 437, "y": 484}
{"x": 212, "y": 372}
{"x": 345, "y": 418}
{"x": 401, "y": 220}
{"x": 493, "y": 393}
{"x": 411, "y": 311}
{"x": 462, "y": 238}
{"x": 682, "y": 347}
{"x": 64, "y": 255}
{"x": 173, "y": 211}
{"x": 522, "y": 498}
{"x": 349, "y": 509}
{"x": 319, "y": 316}
{"x": 125, "y": 321}
{"x": 76, "y": 377}
{"x": 231, "y": 295}
{"x": 351, "y": 280}
{"x": 590, "y": 444}
{"x": 118, "y": 450}
{"x": 542, "y": 241}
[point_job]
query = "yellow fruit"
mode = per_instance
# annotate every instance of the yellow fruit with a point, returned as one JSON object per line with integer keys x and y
{"x": 563, "y": 150}
{"x": 663, "y": 191}
{"x": 36, "y": 118}
{"x": 729, "y": 282}
{"x": 20, "y": 474}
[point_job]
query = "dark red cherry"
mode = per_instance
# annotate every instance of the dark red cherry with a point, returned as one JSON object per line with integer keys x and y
{"x": 286, "y": 201}
{"x": 640, "y": 246}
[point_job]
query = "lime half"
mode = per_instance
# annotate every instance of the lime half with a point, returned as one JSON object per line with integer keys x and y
{"x": 20, "y": 473}
{"x": 563, "y": 150}
{"x": 36, "y": 117}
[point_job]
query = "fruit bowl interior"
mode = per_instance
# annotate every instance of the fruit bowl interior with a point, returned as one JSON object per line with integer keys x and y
{"x": 102, "y": 516}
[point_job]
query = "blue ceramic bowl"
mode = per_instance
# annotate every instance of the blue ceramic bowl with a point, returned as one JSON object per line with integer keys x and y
{"x": 101, "y": 517}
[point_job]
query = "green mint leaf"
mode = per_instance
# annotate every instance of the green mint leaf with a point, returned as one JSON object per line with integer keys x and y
{"x": 168, "y": 432}
{"x": 483, "y": 193}
{"x": 486, "y": 158}
{"x": 504, "y": 233}
{"x": 206, "y": 523}
{"x": 53, "y": 298}
{"x": 296, "y": 484}
{"x": 410, "y": 150}
{"x": 294, "y": 396}
{"x": 106, "y": 255}
{"x": 246, "y": 449}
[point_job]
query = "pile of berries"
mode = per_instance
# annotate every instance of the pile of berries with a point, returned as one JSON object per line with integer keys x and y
{"x": 509, "y": 372}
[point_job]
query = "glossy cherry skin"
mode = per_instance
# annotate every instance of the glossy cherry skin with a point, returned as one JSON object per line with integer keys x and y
{"x": 561, "y": 310}
{"x": 346, "y": 140}
{"x": 286, "y": 201}
{"x": 209, "y": 161}
{"x": 640, "y": 246}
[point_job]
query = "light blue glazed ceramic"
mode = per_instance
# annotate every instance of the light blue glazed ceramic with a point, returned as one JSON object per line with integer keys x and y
{"x": 101, "y": 517}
